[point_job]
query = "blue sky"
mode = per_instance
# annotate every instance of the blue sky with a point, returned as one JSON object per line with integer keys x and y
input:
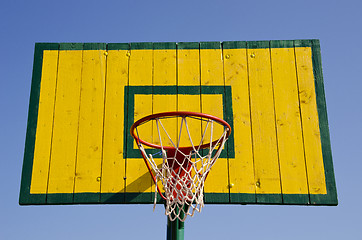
{"x": 336, "y": 23}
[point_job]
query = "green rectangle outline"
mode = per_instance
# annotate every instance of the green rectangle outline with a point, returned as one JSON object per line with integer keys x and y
{"x": 129, "y": 151}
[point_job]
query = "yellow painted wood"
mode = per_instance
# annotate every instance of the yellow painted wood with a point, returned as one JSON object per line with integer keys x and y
{"x": 211, "y": 67}
{"x": 44, "y": 128}
{"x": 265, "y": 151}
{"x": 188, "y": 64}
{"x": 288, "y": 119}
{"x": 212, "y": 74}
{"x": 66, "y": 116}
{"x": 140, "y": 67}
{"x": 114, "y": 164}
{"x": 241, "y": 168}
{"x": 188, "y": 74}
{"x": 89, "y": 152}
{"x": 311, "y": 132}
{"x": 140, "y": 74}
{"x": 138, "y": 178}
{"x": 164, "y": 67}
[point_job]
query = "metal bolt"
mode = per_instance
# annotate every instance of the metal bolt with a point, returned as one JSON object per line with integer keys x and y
{"x": 128, "y": 54}
{"x": 106, "y": 53}
{"x": 257, "y": 184}
{"x": 252, "y": 55}
{"x": 231, "y": 185}
{"x": 227, "y": 56}
{"x": 98, "y": 179}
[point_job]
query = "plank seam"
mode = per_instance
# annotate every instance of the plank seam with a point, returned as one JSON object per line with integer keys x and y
{"x": 153, "y": 102}
{"x": 301, "y": 121}
{"x": 77, "y": 144}
{"x": 200, "y": 89}
{"x": 275, "y": 123}
{"x": 52, "y": 134}
{"x": 125, "y": 133}
{"x": 104, "y": 119}
{"x": 250, "y": 115}
{"x": 251, "y": 120}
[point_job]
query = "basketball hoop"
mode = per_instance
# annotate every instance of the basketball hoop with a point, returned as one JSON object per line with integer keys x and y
{"x": 184, "y": 168}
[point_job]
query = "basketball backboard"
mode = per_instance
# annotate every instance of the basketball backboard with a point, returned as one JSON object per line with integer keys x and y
{"x": 85, "y": 96}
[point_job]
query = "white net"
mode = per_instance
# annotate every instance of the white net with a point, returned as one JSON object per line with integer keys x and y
{"x": 184, "y": 169}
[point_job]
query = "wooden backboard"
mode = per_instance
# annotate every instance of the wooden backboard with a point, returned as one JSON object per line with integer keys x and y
{"x": 85, "y": 97}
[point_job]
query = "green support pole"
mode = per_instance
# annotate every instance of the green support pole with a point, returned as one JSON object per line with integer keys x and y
{"x": 175, "y": 229}
{"x": 169, "y": 236}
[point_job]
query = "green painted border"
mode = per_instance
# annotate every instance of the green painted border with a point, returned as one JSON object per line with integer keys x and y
{"x": 210, "y": 45}
{"x": 234, "y": 45}
{"x": 79, "y": 198}
{"x": 110, "y": 198}
{"x": 216, "y": 198}
{"x": 281, "y": 44}
{"x": 242, "y": 198}
{"x": 145, "y": 197}
{"x": 269, "y": 199}
{"x": 70, "y": 46}
{"x": 59, "y": 198}
{"x": 94, "y": 46}
{"x": 258, "y": 44}
{"x": 25, "y": 198}
{"x": 188, "y": 45}
{"x": 164, "y": 45}
{"x": 331, "y": 197}
{"x": 141, "y": 46}
{"x": 296, "y": 199}
{"x": 118, "y": 46}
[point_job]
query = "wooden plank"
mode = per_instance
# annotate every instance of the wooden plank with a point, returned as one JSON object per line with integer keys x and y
{"x": 265, "y": 150}
{"x": 164, "y": 99}
{"x": 66, "y": 119}
{"x": 164, "y": 74}
{"x": 90, "y": 133}
{"x": 288, "y": 122}
{"x": 114, "y": 163}
{"x": 138, "y": 180}
{"x": 311, "y": 131}
{"x": 241, "y": 168}
{"x": 211, "y": 68}
{"x": 188, "y": 99}
{"x": 25, "y": 196}
{"x": 44, "y": 130}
